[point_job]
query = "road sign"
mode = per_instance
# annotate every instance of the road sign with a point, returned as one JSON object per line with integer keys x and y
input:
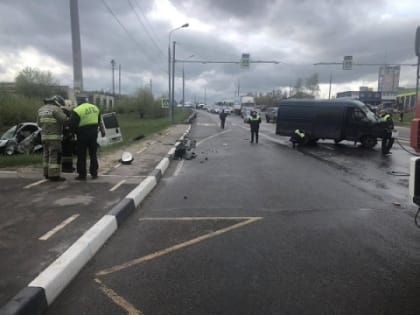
{"x": 417, "y": 42}
{"x": 165, "y": 102}
{"x": 245, "y": 61}
{"x": 348, "y": 62}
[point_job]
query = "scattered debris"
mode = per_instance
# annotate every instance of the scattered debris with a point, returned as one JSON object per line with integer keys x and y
{"x": 185, "y": 150}
{"x": 139, "y": 137}
{"x": 397, "y": 204}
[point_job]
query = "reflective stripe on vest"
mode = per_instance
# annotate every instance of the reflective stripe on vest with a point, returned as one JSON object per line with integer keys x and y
{"x": 254, "y": 118}
{"x": 48, "y": 120}
{"x": 300, "y": 133}
{"x": 51, "y": 137}
{"x": 88, "y": 114}
{"x": 387, "y": 117}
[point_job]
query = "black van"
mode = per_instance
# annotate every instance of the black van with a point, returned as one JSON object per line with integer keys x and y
{"x": 330, "y": 119}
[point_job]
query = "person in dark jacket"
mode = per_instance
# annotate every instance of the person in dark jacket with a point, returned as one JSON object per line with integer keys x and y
{"x": 222, "y": 117}
{"x": 254, "y": 121}
{"x": 86, "y": 120}
{"x": 387, "y": 139}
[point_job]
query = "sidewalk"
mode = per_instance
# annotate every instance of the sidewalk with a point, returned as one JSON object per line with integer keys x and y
{"x": 151, "y": 159}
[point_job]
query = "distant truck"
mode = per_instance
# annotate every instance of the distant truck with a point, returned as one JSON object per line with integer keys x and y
{"x": 330, "y": 119}
{"x": 247, "y": 104}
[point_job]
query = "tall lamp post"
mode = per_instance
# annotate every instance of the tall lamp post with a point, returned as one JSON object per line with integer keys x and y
{"x": 171, "y": 109}
{"x": 183, "y": 81}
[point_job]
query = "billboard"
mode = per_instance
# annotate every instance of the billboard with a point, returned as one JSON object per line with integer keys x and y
{"x": 389, "y": 78}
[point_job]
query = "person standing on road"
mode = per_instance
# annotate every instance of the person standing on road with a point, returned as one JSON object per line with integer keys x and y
{"x": 222, "y": 117}
{"x": 69, "y": 142}
{"x": 86, "y": 120}
{"x": 51, "y": 119}
{"x": 254, "y": 121}
{"x": 387, "y": 139}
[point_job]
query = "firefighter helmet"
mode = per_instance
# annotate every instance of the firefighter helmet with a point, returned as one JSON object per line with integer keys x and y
{"x": 55, "y": 100}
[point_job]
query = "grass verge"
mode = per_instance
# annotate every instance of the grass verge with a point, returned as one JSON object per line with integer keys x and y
{"x": 131, "y": 127}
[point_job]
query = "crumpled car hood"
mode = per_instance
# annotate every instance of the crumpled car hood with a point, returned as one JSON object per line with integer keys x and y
{"x": 3, "y": 143}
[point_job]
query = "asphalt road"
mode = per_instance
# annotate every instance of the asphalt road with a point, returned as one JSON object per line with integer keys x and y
{"x": 261, "y": 229}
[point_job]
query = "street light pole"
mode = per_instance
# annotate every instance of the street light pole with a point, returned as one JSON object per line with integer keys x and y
{"x": 173, "y": 82}
{"x": 183, "y": 82}
{"x": 169, "y": 71}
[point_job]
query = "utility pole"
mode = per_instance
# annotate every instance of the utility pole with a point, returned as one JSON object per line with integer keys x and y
{"x": 183, "y": 86}
{"x": 173, "y": 82}
{"x": 76, "y": 47}
{"x": 113, "y": 81}
{"x": 119, "y": 80}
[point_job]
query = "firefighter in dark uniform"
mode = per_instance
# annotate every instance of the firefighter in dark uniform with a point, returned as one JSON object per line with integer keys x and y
{"x": 86, "y": 120}
{"x": 254, "y": 121}
{"x": 51, "y": 120}
{"x": 387, "y": 139}
{"x": 298, "y": 137}
{"x": 68, "y": 144}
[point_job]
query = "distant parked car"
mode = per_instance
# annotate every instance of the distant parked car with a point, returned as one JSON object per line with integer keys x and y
{"x": 271, "y": 114}
{"x": 22, "y": 138}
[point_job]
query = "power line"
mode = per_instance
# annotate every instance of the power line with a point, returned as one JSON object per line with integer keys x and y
{"x": 126, "y": 31}
{"x": 146, "y": 30}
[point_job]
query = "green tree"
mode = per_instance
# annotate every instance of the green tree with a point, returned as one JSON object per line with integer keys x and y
{"x": 144, "y": 101}
{"x": 312, "y": 84}
{"x": 32, "y": 82}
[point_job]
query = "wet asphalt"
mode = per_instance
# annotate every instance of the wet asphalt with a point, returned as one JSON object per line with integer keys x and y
{"x": 261, "y": 229}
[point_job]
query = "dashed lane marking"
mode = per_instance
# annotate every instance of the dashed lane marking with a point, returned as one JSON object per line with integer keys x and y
{"x": 118, "y": 185}
{"x": 213, "y": 136}
{"x": 35, "y": 184}
{"x": 141, "y": 151}
{"x": 59, "y": 227}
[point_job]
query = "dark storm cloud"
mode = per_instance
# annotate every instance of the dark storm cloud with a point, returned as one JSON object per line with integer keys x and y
{"x": 299, "y": 33}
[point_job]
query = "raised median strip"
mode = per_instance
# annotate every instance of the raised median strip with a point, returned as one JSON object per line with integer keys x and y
{"x": 47, "y": 286}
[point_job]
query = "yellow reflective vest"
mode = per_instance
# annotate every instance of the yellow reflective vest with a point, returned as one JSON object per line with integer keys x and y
{"x": 88, "y": 114}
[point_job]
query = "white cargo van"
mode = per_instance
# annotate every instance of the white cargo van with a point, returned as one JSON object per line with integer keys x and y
{"x": 112, "y": 130}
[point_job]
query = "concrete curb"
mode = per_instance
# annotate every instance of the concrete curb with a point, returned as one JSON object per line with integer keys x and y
{"x": 47, "y": 286}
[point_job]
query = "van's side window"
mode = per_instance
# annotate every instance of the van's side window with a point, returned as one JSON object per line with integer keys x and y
{"x": 357, "y": 114}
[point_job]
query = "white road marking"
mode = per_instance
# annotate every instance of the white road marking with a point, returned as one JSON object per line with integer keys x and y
{"x": 117, "y": 185}
{"x": 213, "y": 136}
{"x": 117, "y": 299}
{"x": 140, "y": 151}
{"x": 58, "y": 227}
{"x": 178, "y": 168}
{"x": 35, "y": 184}
{"x": 137, "y": 261}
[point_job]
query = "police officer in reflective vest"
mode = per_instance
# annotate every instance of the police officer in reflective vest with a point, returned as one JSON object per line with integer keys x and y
{"x": 51, "y": 119}
{"x": 298, "y": 137}
{"x": 254, "y": 121}
{"x": 387, "y": 139}
{"x": 86, "y": 120}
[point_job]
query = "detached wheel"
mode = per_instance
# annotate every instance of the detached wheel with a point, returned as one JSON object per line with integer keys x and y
{"x": 368, "y": 141}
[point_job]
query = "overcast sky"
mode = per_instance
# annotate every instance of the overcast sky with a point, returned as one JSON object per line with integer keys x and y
{"x": 296, "y": 33}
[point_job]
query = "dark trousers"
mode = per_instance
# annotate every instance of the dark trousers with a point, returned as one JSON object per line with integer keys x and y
{"x": 254, "y": 132}
{"x": 67, "y": 156}
{"x": 222, "y": 123}
{"x": 387, "y": 142}
{"x": 87, "y": 141}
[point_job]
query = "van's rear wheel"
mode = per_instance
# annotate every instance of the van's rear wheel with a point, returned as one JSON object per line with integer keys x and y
{"x": 368, "y": 141}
